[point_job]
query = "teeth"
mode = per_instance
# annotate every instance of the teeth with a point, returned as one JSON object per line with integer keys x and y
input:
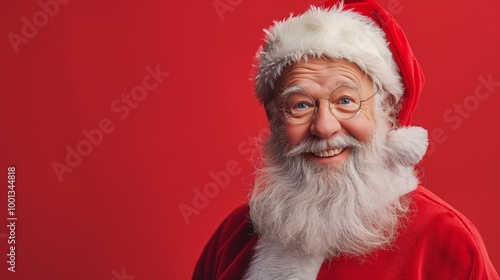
{"x": 329, "y": 153}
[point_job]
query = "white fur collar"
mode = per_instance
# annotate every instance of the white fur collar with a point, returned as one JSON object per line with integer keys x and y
{"x": 272, "y": 262}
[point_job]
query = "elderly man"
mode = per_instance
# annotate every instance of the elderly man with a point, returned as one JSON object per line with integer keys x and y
{"x": 337, "y": 196}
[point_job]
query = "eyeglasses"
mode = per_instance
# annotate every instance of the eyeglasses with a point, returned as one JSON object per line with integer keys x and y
{"x": 345, "y": 103}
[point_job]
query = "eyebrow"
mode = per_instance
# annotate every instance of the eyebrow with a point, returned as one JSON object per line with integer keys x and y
{"x": 348, "y": 83}
{"x": 289, "y": 90}
{"x": 297, "y": 88}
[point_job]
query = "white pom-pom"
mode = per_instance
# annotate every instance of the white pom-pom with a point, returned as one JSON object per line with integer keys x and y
{"x": 408, "y": 144}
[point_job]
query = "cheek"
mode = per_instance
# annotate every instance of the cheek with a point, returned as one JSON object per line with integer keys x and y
{"x": 361, "y": 128}
{"x": 295, "y": 134}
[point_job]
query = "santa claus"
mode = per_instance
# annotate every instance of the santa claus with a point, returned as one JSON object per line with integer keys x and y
{"x": 337, "y": 196}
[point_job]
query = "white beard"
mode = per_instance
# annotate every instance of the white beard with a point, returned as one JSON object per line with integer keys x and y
{"x": 320, "y": 210}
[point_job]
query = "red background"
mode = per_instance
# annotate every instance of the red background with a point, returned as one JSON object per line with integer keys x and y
{"x": 119, "y": 208}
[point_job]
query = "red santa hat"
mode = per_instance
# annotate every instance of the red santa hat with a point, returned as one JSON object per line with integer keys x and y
{"x": 359, "y": 31}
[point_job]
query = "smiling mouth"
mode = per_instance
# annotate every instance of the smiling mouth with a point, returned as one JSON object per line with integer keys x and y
{"x": 329, "y": 153}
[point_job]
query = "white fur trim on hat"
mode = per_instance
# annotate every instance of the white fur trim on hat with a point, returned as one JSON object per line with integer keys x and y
{"x": 332, "y": 33}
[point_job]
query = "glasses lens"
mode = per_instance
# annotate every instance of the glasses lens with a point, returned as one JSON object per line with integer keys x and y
{"x": 298, "y": 107}
{"x": 345, "y": 102}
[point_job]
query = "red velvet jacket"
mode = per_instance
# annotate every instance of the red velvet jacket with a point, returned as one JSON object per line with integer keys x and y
{"x": 439, "y": 243}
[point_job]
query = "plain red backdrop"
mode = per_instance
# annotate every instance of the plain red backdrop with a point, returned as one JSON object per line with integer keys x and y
{"x": 117, "y": 214}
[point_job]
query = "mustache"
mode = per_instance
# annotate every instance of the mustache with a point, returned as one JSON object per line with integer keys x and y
{"x": 311, "y": 145}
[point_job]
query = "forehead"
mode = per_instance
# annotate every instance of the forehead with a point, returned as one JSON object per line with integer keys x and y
{"x": 321, "y": 74}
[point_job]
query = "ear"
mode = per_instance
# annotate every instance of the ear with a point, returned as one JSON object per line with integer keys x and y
{"x": 274, "y": 116}
{"x": 407, "y": 144}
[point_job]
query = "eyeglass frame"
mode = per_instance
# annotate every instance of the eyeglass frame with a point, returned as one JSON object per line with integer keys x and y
{"x": 316, "y": 106}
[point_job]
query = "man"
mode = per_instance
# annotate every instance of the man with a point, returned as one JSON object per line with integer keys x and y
{"x": 337, "y": 196}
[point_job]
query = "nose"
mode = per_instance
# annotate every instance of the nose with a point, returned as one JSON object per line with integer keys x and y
{"x": 324, "y": 124}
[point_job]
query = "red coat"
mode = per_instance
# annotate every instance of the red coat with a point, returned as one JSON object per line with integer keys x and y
{"x": 439, "y": 243}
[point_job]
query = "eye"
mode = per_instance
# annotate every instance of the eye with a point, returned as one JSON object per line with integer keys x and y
{"x": 298, "y": 103}
{"x": 301, "y": 106}
{"x": 345, "y": 101}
